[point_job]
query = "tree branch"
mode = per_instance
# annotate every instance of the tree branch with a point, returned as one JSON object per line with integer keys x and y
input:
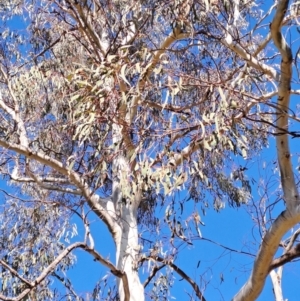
{"x": 283, "y": 150}
{"x": 289, "y": 254}
{"x": 66, "y": 284}
{"x": 52, "y": 180}
{"x": 15, "y": 273}
{"x": 48, "y": 270}
{"x": 179, "y": 272}
{"x": 112, "y": 268}
{"x": 276, "y": 281}
{"x": 227, "y": 248}
{"x": 40, "y": 181}
{"x": 291, "y": 216}
{"x": 250, "y": 59}
{"x": 95, "y": 202}
{"x": 268, "y": 248}
{"x": 43, "y": 275}
{"x": 173, "y": 37}
{"x": 81, "y": 17}
{"x": 153, "y": 273}
{"x": 293, "y": 253}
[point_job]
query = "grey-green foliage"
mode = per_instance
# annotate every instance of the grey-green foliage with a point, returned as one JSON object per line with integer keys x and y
{"x": 31, "y": 237}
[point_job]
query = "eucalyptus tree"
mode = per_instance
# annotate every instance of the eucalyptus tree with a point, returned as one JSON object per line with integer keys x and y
{"x": 114, "y": 107}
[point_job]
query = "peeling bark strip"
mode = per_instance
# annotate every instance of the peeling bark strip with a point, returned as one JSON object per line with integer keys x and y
{"x": 289, "y": 218}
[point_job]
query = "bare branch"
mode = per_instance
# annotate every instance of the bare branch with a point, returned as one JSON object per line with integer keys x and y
{"x": 41, "y": 182}
{"x": 290, "y": 252}
{"x": 250, "y": 59}
{"x": 112, "y": 268}
{"x": 173, "y": 37}
{"x": 53, "y": 180}
{"x": 88, "y": 238}
{"x": 65, "y": 283}
{"x": 153, "y": 273}
{"x": 288, "y": 218}
{"x": 227, "y": 248}
{"x": 179, "y": 272}
{"x": 292, "y": 240}
{"x": 267, "y": 250}
{"x": 15, "y": 273}
{"x": 293, "y": 253}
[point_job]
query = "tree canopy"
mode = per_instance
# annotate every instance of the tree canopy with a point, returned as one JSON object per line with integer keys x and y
{"x": 143, "y": 115}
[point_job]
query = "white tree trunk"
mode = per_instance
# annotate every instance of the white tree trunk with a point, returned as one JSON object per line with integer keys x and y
{"x": 126, "y": 233}
{"x": 127, "y": 250}
{"x": 276, "y": 281}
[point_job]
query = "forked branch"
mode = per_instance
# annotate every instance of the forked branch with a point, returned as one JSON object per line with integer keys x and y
{"x": 179, "y": 271}
{"x": 290, "y": 217}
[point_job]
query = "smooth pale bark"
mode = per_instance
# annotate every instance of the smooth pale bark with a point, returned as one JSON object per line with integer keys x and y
{"x": 276, "y": 281}
{"x": 127, "y": 250}
{"x": 269, "y": 246}
{"x": 289, "y": 254}
{"x": 125, "y": 231}
{"x": 290, "y": 217}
